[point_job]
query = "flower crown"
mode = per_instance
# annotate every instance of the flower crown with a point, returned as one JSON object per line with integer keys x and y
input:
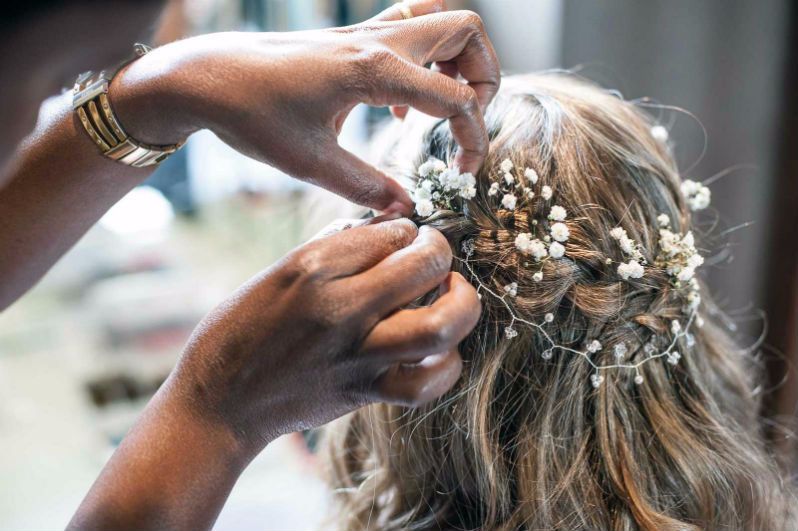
{"x": 441, "y": 188}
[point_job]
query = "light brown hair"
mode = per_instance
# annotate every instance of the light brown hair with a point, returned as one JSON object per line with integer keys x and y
{"x": 526, "y": 443}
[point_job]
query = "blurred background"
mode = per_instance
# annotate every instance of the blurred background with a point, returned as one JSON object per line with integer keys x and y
{"x": 83, "y": 352}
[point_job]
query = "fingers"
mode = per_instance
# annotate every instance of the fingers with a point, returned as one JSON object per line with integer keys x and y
{"x": 417, "y": 7}
{"x": 347, "y": 175}
{"x": 411, "y": 335}
{"x": 430, "y": 334}
{"x": 458, "y": 37}
{"x": 416, "y": 384}
{"x": 343, "y": 224}
{"x": 355, "y": 250}
{"x": 400, "y": 82}
{"x": 405, "y": 275}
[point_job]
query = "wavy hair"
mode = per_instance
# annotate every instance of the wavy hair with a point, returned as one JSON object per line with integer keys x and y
{"x": 522, "y": 442}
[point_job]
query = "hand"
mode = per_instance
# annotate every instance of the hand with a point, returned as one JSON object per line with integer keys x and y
{"x": 282, "y": 97}
{"x": 323, "y": 332}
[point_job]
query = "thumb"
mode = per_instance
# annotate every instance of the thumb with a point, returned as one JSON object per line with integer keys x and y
{"x": 348, "y": 176}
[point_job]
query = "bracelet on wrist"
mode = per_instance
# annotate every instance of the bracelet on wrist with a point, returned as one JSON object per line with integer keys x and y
{"x": 91, "y": 103}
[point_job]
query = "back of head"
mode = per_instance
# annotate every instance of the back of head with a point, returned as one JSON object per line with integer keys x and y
{"x": 591, "y": 398}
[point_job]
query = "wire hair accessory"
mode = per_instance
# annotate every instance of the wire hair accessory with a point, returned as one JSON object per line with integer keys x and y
{"x": 442, "y": 188}
{"x": 620, "y": 350}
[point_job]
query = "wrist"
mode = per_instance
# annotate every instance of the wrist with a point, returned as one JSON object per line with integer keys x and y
{"x": 148, "y": 103}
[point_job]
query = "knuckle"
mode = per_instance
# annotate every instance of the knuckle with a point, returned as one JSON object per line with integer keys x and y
{"x": 473, "y": 21}
{"x": 311, "y": 263}
{"x": 436, "y": 257}
{"x": 438, "y": 334}
{"x": 400, "y": 233}
{"x": 368, "y": 63}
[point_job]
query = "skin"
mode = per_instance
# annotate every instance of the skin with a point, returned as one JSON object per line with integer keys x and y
{"x": 291, "y": 95}
{"x": 320, "y": 333}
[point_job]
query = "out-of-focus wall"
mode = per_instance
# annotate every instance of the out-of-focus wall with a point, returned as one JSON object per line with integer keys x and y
{"x": 722, "y": 61}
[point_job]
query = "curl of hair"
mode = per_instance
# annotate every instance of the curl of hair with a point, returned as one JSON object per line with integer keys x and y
{"x": 525, "y": 443}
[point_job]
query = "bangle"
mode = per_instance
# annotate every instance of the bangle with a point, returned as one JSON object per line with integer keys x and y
{"x": 90, "y": 102}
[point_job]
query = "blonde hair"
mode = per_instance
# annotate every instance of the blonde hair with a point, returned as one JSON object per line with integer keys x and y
{"x": 526, "y": 443}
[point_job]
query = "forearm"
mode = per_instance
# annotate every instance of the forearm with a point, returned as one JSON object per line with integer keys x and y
{"x": 59, "y": 183}
{"x": 172, "y": 471}
{"x": 59, "y": 186}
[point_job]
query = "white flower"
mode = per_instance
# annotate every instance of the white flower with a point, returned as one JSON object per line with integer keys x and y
{"x": 560, "y": 232}
{"x": 627, "y": 244}
{"x": 620, "y": 350}
{"x": 557, "y": 213}
{"x": 468, "y": 193}
{"x": 632, "y": 269}
{"x": 697, "y": 195}
{"x": 506, "y": 165}
{"x": 511, "y": 289}
{"x": 556, "y": 250}
{"x": 425, "y": 208}
{"x": 668, "y": 242}
{"x": 422, "y": 193}
{"x": 596, "y": 380}
{"x": 510, "y": 332}
{"x": 676, "y": 327}
{"x": 618, "y": 233}
{"x": 494, "y": 189}
{"x": 594, "y": 346}
{"x": 531, "y": 175}
{"x": 529, "y": 193}
{"x": 659, "y": 133}
{"x": 432, "y": 165}
{"x": 537, "y": 277}
{"x": 508, "y": 178}
{"x": 508, "y": 201}
{"x": 639, "y": 379}
{"x": 451, "y": 179}
{"x": 686, "y": 274}
{"x": 663, "y": 220}
{"x": 546, "y": 192}
{"x": 549, "y": 317}
{"x": 693, "y": 300}
{"x": 534, "y": 247}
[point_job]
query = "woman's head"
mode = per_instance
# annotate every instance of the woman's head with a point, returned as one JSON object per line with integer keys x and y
{"x": 526, "y": 440}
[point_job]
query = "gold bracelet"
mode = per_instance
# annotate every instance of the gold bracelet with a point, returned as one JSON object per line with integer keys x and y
{"x": 90, "y": 102}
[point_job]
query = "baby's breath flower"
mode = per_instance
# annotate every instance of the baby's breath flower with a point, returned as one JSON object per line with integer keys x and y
{"x": 560, "y": 232}
{"x": 508, "y": 201}
{"x": 508, "y": 178}
{"x": 557, "y": 213}
{"x": 697, "y": 195}
{"x": 659, "y": 133}
{"x": 511, "y": 289}
{"x": 594, "y": 346}
{"x": 424, "y": 208}
{"x": 506, "y": 165}
{"x": 663, "y": 220}
{"x": 556, "y": 250}
{"x": 546, "y": 192}
{"x": 631, "y": 269}
{"x": 494, "y": 189}
{"x": 537, "y": 277}
{"x": 531, "y": 175}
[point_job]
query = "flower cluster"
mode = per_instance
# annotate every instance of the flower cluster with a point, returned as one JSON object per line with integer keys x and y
{"x": 697, "y": 195}
{"x": 679, "y": 258}
{"x": 438, "y": 185}
{"x": 633, "y": 267}
{"x": 511, "y": 188}
{"x": 552, "y": 243}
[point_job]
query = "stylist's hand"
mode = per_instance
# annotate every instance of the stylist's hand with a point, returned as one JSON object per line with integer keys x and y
{"x": 282, "y": 97}
{"x": 323, "y": 332}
